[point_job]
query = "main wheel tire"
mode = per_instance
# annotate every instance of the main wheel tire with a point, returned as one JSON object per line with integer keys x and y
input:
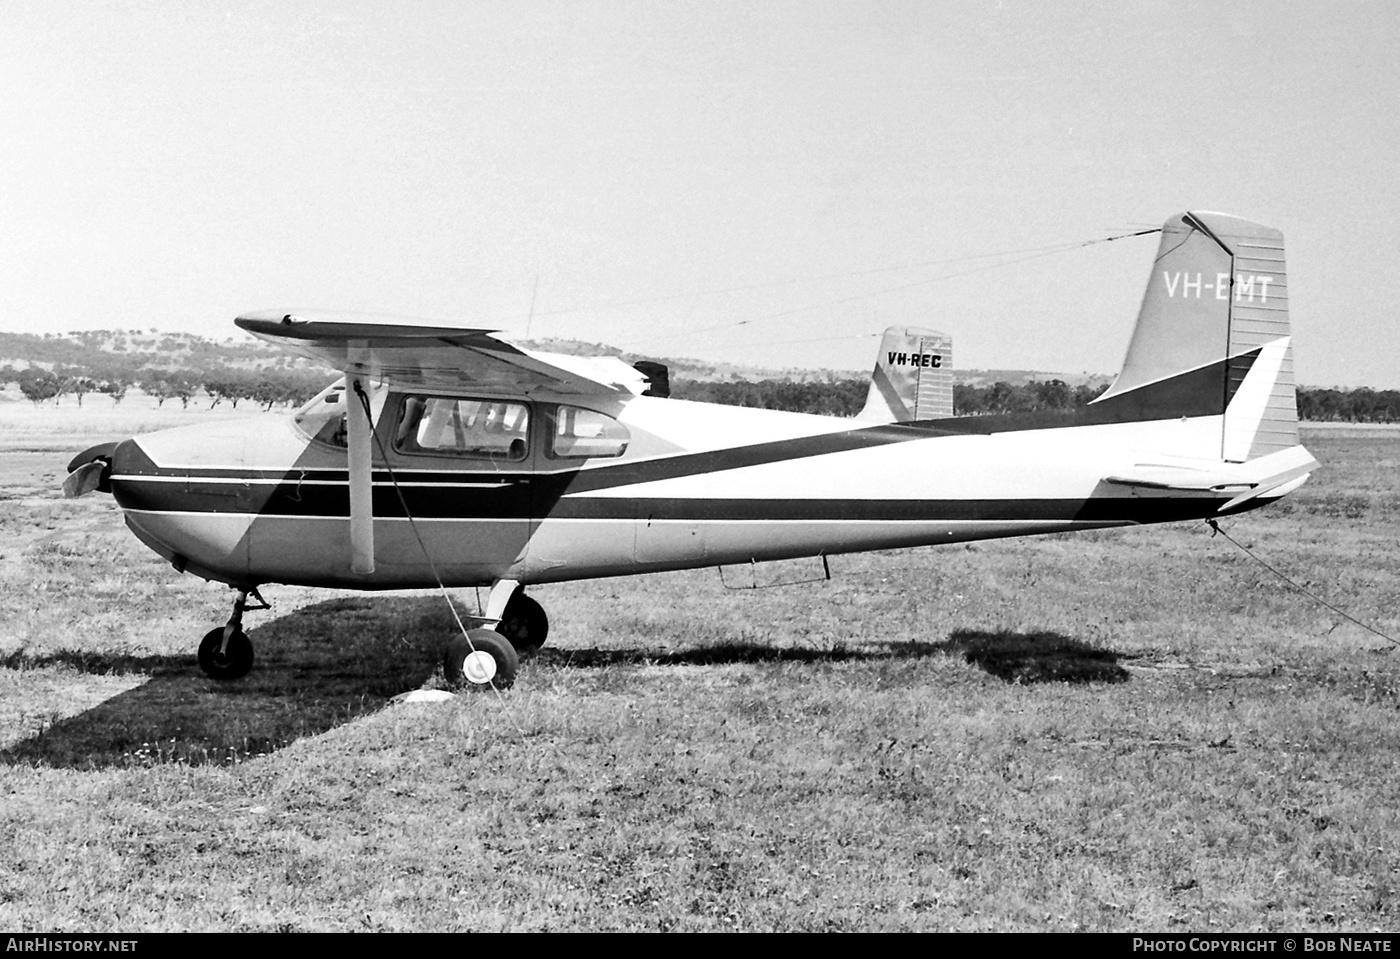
{"x": 233, "y": 663}
{"x": 481, "y": 658}
{"x": 524, "y": 624}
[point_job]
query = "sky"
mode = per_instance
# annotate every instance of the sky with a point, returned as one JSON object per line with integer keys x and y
{"x": 763, "y": 182}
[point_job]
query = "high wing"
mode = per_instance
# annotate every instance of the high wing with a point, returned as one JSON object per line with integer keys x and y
{"x": 411, "y": 354}
{"x": 415, "y": 356}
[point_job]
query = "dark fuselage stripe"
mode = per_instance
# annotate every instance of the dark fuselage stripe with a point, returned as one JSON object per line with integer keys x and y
{"x": 139, "y": 483}
{"x": 1167, "y": 399}
{"x": 516, "y": 503}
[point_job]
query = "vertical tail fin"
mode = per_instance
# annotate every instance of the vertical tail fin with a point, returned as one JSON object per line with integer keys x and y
{"x": 912, "y": 379}
{"x": 1213, "y": 336}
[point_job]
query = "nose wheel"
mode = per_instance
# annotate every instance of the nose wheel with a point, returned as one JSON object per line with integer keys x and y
{"x": 225, "y": 656}
{"x": 226, "y": 652}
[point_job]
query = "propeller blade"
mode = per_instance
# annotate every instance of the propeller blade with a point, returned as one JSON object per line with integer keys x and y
{"x": 84, "y": 479}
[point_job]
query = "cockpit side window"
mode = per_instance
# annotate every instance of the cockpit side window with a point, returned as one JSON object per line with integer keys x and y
{"x": 579, "y": 433}
{"x": 456, "y": 426}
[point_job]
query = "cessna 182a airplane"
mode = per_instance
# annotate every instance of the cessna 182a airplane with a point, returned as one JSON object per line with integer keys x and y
{"x": 448, "y": 457}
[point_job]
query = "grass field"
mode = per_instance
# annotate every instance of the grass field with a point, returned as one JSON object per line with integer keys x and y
{"x": 1138, "y": 729}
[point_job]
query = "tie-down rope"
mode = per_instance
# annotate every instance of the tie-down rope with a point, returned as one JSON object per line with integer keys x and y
{"x": 413, "y": 525}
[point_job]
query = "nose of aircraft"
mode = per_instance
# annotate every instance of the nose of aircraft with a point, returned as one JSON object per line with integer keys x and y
{"x": 91, "y": 470}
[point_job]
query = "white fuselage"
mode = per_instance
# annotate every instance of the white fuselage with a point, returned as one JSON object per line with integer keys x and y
{"x": 696, "y": 484}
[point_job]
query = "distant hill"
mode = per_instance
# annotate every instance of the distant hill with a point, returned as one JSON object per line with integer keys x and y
{"x": 127, "y": 351}
{"x": 182, "y": 365}
{"x": 708, "y": 371}
{"x": 118, "y": 352}
{"x": 683, "y": 368}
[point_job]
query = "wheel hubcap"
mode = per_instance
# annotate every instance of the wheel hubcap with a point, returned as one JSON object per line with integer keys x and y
{"x": 479, "y": 667}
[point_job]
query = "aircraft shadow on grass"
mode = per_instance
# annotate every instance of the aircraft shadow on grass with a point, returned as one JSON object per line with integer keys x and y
{"x": 721, "y": 654}
{"x": 324, "y": 665}
{"x": 1030, "y": 657}
{"x": 1034, "y": 657}
{"x": 318, "y": 668}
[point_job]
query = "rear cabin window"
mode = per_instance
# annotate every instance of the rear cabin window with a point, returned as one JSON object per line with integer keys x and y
{"x": 579, "y": 433}
{"x": 490, "y": 429}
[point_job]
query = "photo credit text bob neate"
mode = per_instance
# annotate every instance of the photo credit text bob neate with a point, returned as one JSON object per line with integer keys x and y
{"x": 1269, "y": 944}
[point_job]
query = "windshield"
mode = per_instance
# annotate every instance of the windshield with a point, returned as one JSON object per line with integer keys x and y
{"x": 323, "y": 418}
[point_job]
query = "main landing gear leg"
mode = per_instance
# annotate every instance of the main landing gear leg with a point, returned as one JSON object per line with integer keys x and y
{"x": 518, "y": 617}
{"x": 492, "y": 656}
{"x": 226, "y": 652}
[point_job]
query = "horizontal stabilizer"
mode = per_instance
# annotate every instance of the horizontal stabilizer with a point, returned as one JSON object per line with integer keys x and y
{"x": 1259, "y": 477}
{"x": 1185, "y": 478}
{"x": 1277, "y": 484}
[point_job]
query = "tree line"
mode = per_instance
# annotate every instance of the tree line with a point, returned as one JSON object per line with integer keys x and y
{"x": 845, "y": 397}
{"x": 168, "y": 366}
{"x": 188, "y": 369}
{"x": 1361, "y": 405}
{"x": 268, "y": 387}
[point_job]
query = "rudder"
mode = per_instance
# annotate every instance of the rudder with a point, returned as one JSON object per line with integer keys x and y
{"x": 1213, "y": 335}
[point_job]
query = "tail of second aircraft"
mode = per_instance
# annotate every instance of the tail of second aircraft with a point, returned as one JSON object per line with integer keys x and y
{"x": 912, "y": 379}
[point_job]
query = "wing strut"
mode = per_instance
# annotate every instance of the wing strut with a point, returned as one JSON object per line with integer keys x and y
{"x": 361, "y": 465}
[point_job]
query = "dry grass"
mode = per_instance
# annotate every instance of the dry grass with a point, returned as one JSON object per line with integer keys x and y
{"x": 1129, "y": 730}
